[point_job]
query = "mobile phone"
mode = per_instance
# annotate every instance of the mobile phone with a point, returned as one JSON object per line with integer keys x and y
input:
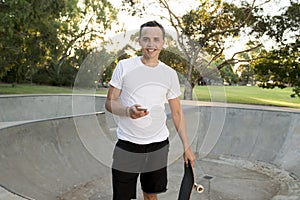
{"x": 141, "y": 108}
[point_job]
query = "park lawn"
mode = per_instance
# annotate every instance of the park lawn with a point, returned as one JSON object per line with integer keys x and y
{"x": 247, "y": 95}
{"x": 32, "y": 89}
{"x": 44, "y": 89}
{"x": 229, "y": 94}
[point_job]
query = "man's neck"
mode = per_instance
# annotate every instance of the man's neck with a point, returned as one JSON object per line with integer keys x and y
{"x": 149, "y": 62}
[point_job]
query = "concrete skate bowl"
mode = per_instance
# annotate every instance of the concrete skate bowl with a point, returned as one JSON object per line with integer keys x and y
{"x": 22, "y": 108}
{"x": 243, "y": 152}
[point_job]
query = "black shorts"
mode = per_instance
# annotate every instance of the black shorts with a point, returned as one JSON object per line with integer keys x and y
{"x": 131, "y": 160}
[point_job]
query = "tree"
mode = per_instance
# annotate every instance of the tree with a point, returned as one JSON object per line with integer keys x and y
{"x": 244, "y": 71}
{"x": 247, "y": 74}
{"x": 27, "y": 27}
{"x": 45, "y": 39}
{"x": 228, "y": 75}
{"x": 280, "y": 66}
{"x": 82, "y": 26}
{"x": 203, "y": 31}
{"x": 280, "y": 27}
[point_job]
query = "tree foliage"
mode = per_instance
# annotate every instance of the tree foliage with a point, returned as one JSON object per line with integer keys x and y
{"x": 45, "y": 41}
{"x": 202, "y": 33}
{"x": 279, "y": 68}
{"x": 27, "y": 30}
{"x": 228, "y": 75}
{"x": 279, "y": 27}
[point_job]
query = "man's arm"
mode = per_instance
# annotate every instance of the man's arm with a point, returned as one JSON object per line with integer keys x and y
{"x": 113, "y": 105}
{"x": 180, "y": 125}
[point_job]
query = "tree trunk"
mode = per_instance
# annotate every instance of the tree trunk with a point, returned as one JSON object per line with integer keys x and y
{"x": 188, "y": 90}
{"x": 188, "y": 84}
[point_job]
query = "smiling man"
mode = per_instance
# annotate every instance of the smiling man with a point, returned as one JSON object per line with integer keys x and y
{"x": 152, "y": 41}
{"x": 139, "y": 89}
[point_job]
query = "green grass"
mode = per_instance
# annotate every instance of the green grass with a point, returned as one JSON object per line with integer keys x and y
{"x": 229, "y": 94}
{"x": 42, "y": 89}
{"x": 247, "y": 95}
{"x": 32, "y": 89}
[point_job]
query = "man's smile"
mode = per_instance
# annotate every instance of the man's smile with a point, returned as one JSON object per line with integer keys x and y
{"x": 151, "y": 50}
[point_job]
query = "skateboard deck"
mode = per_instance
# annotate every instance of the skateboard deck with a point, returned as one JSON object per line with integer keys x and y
{"x": 188, "y": 183}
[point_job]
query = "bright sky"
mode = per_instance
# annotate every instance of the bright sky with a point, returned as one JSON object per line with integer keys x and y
{"x": 153, "y": 12}
{"x": 179, "y": 7}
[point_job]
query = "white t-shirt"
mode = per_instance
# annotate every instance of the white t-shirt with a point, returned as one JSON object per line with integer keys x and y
{"x": 150, "y": 87}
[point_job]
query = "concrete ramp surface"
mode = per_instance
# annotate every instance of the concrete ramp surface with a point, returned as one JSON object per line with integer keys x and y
{"x": 243, "y": 152}
{"x": 40, "y": 160}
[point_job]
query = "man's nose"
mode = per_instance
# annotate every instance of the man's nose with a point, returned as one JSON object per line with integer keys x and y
{"x": 150, "y": 43}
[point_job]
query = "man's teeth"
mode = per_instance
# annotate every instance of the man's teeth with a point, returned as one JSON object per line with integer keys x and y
{"x": 151, "y": 50}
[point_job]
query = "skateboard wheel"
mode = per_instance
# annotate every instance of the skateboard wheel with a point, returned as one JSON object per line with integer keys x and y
{"x": 199, "y": 188}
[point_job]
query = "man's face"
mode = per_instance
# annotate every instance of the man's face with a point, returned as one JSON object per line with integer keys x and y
{"x": 151, "y": 41}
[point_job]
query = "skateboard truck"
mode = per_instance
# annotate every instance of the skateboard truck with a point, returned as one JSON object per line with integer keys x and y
{"x": 199, "y": 188}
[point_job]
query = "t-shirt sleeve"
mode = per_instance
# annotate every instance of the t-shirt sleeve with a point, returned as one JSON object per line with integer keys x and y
{"x": 174, "y": 90}
{"x": 117, "y": 76}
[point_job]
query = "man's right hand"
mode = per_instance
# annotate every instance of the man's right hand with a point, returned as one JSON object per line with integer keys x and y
{"x": 134, "y": 113}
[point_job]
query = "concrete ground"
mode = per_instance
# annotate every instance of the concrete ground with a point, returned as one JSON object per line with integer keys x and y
{"x": 253, "y": 151}
{"x": 6, "y": 195}
{"x": 229, "y": 181}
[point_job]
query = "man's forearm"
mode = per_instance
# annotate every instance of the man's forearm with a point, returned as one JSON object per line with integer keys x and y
{"x": 180, "y": 126}
{"x": 179, "y": 121}
{"x": 116, "y": 108}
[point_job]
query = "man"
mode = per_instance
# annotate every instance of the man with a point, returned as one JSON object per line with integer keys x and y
{"x": 142, "y": 146}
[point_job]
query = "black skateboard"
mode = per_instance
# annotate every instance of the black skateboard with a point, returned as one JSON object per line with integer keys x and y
{"x": 188, "y": 183}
